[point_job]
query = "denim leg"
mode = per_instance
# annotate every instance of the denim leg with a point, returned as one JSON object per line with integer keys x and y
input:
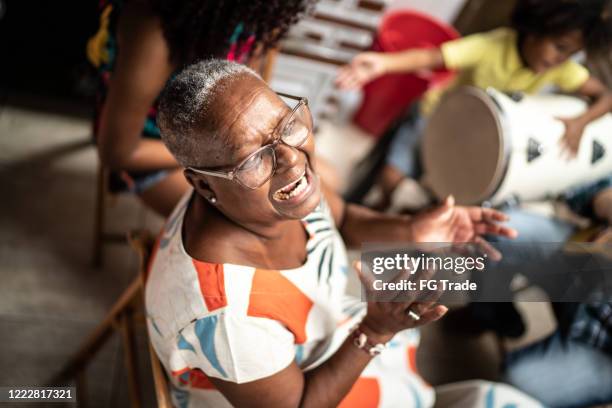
{"x": 544, "y": 233}
{"x": 404, "y": 150}
{"x": 548, "y": 235}
{"x": 561, "y": 373}
{"x": 538, "y": 228}
{"x": 580, "y": 199}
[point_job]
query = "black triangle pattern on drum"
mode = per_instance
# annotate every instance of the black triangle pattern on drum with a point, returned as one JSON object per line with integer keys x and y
{"x": 534, "y": 150}
{"x": 598, "y": 152}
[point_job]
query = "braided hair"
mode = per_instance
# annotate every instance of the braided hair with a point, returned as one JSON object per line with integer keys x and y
{"x": 197, "y": 29}
{"x": 557, "y": 17}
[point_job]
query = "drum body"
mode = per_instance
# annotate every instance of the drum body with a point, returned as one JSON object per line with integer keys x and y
{"x": 486, "y": 147}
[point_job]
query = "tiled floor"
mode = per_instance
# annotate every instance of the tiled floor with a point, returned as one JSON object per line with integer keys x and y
{"x": 51, "y": 297}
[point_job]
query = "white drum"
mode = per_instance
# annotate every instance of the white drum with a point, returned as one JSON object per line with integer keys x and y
{"x": 484, "y": 146}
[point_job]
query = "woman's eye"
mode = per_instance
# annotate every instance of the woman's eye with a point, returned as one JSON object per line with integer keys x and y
{"x": 251, "y": 162}
{"x": 289, "y": 128}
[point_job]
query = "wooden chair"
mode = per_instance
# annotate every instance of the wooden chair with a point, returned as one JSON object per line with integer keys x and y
{"x": 101, "y": 235}
{"x": 104, "y": 197}
{"x": 121, "y": 318}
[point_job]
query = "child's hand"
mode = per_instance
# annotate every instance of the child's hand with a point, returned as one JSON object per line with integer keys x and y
{"x": 574, "y": 128}
{"x": 363, "y": 68}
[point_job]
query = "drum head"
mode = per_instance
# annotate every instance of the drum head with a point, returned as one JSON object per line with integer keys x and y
{"x": 463, "y": 149}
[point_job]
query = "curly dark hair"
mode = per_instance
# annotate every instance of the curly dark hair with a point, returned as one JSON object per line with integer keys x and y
{"x": 197, "y": 29}
{"x": 558, "y": 17}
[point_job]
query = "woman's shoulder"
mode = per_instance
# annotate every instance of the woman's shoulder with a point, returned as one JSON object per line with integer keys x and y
{"x": 140, "y": 27}
{"x": 217, "y": 242}
{"x": 139, "y": 13}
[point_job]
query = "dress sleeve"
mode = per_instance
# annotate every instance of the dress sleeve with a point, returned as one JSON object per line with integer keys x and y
{"x": 465, "y": 52}
{"x": 571, "y": 76}
{"x": 234, "y": 348}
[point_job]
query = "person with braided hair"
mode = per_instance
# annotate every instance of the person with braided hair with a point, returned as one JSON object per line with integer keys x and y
{"x": 139, "y": 46}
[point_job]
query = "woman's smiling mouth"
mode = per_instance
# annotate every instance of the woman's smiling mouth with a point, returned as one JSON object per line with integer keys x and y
{"x": 297, "y": 191}
{"x": 293, "y": 190}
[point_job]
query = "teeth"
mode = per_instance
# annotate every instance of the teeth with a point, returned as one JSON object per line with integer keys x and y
{"x": 298, "y": 187}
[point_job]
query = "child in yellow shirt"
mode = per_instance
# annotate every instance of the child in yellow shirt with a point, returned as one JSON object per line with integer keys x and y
{"x": 532, "y": 55}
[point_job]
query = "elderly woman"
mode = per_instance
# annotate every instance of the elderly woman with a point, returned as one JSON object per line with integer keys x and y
{"x": 246, "y": 296}
{"x": 139, "y": 46}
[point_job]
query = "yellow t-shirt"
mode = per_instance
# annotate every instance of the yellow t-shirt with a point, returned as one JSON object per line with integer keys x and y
{"x": 492, "y": 60}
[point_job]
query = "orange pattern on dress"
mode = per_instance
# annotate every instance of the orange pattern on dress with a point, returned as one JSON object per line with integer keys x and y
{"x": 275, "y": 297}
{"x": 412, "y": 362}
{"x": 212, "y": 284}
{"x": 197, "y": 379}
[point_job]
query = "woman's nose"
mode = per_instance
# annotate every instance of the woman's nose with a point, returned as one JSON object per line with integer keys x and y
{"x": 287, "y": 157}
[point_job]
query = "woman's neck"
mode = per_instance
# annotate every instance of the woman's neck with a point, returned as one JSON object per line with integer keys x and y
{"x": 267, "y": 232}
{"x": 243, "y": 243}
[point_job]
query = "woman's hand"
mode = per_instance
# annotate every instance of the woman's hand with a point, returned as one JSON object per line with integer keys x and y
{"x": 388, "y": 311}
{"x": 452, "y": 224}
{"x": 364, "y": 68}
{"x": 574, "y": 129}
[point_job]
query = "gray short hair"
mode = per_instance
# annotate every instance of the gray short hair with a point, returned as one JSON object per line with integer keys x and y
{"x": 185, "y": 103}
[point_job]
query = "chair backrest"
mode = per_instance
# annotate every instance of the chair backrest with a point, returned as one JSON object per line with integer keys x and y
{"x": 317, "y": 45}
{"x": 143, "y": 242}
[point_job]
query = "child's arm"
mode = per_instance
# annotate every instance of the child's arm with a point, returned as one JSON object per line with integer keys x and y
{"x": 368, "y": 66}
{"x": 601, "y": 98}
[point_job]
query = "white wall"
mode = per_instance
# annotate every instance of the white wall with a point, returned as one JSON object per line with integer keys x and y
{"x": 445, "y": 10}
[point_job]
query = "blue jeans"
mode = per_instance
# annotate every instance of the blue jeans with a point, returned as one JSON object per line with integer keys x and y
{"x": 538, "y": 228}
{"x": 580, "y": 199}
{"x": 557, "y": 371}
{"x": 404, "y": 150}
{"x": 561, "y": 373}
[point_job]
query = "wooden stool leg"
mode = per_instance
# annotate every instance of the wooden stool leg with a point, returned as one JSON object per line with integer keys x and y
{"x": 99, "y": 216}
{"x": 129, "y": 348}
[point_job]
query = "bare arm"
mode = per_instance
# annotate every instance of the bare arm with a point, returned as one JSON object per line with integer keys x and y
{"x": 368, "y": 66}
{"x": 414, "y": 60}
{"x": 141, "y": 71}
{"x": 600, "y": 96}
{"x": 324, "y": 386}
{"x": 445, "y": 223}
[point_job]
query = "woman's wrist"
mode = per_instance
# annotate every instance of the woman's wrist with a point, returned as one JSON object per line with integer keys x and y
{"x": 374, "y": 333}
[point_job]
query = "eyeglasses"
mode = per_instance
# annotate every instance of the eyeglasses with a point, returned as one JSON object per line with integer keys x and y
{"x": 259, "y": 167}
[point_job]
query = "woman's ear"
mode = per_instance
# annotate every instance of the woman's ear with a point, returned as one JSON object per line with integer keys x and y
{"x": 199, "y": 184}
{"x": 190, "y": 177}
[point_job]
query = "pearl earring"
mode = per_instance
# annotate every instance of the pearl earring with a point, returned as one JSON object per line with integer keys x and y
{"x": 213, "y": 200}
